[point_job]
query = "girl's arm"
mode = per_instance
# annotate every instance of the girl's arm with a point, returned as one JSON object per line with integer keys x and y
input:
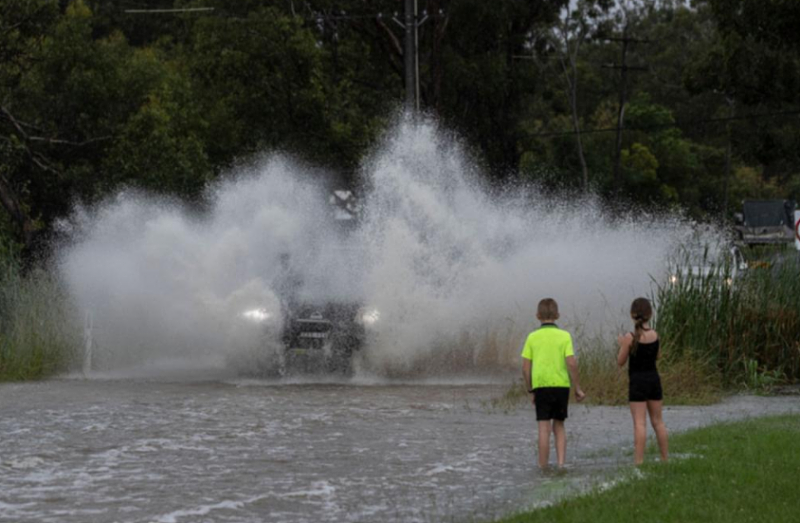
{"x": 624, "y": 341}
{"x": 658, "y": 354}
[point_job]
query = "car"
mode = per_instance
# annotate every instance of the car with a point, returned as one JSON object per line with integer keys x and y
{"x": 766, "y": 222}
{"x": 319, "y": 321}
{"x": 309, "y": 337}
{"x": 698, "y": 264}
{"x": 326, "y": 336}
{"x": 313, "y": 324}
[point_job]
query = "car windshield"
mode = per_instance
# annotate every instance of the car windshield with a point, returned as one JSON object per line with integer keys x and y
{"x": 333, "y": 274}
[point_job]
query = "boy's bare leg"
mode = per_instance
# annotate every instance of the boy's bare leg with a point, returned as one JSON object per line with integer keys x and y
{"x": 639, "y": 413}
{"x": 654, "y": 408}
{"x": 561, "y": 441}
{"x": 544, "y": 443}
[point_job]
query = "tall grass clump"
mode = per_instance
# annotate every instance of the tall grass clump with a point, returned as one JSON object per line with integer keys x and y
{"x": 745, "y": 324}
{"x": 38, "y": 331}
{"x": 686, "y": 381}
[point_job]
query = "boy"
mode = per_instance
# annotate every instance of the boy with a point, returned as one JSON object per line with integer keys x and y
{"x": 548, "y": 350}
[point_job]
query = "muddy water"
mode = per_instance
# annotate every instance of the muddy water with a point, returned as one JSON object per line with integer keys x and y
{"x": 238, "y": 451}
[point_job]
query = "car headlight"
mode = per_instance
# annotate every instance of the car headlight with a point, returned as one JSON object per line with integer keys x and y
{"x": 258, "y": 315}
{"x": 369, "y": 317}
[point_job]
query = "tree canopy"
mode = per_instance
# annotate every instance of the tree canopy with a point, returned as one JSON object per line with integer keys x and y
{"x": 94, "y": 97}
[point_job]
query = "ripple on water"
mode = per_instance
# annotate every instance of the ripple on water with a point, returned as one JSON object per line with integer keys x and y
{"x": 298, "y": 454}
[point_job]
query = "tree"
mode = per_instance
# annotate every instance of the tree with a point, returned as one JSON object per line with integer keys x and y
{"x": 485, "y": 87}
{"x": 82, "y": 116}
{"x": 575, "y": 25}
{"x": 22, "y": 27}
{"x": 753, "y": 66}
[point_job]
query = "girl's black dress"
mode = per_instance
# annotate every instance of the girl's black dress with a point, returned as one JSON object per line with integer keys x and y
{"x": 644, "y": 381}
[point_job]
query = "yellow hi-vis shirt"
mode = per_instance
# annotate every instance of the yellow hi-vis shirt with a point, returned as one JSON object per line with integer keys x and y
{"x": 547, "y": 347}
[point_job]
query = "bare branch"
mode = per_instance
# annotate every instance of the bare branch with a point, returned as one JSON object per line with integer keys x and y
{"x": 42, "y": 163}
{"x": 57, "y": 141}
{"x": 20, "y": 126}
{"x": 396, "y": 47}
{"x": 14, "y": 122}
{"x": 443, "y": 30}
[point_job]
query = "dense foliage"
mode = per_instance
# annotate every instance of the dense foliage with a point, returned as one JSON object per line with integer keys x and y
{"x": 39, "y": 333}
{"x": 744, "y": 327}
{"x": 94, "y": 97}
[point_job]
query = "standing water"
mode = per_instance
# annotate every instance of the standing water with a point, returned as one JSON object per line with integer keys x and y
{"x": 146, "y": 451}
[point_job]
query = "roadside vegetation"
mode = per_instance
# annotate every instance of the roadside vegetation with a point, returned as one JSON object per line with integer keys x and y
{"x": 38, "y": 335}
{"x": 746, "y": 330}
{"x": 743, "y": 471}
{"x": 721, "y": 330}
{"x": 686, "y": 380}
{"x": 719, "y": 334}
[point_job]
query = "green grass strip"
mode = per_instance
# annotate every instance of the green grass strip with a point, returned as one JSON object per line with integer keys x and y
{"x": 743, "y": 471}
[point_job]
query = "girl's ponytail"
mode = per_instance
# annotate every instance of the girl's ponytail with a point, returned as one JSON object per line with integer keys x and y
{"x": 641, "y": 312}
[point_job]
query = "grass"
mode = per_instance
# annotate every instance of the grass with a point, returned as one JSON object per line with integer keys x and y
{"x": 37, "y": 331}
{"x": 747, "y": 329}
{"x": 743, "y": 471}
{"x": 685, "y": 380}
{"x": 718, "y": 334}
{"x": 513, "y": 397}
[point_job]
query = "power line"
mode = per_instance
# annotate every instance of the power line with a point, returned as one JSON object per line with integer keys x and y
{"x": 162, "y": 11}
{"x": 624, "y": 68}
{"x": 394, "y": 15}
{"x": 411, "y": 21}
{"x": 336, "y": 17}
{"x": 753, "y": 116}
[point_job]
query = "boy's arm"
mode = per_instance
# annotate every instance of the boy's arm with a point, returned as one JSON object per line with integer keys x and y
{"x": 526, "y": 378}
{"x": 526, "y": 373}
{"x": 572, "y": 366}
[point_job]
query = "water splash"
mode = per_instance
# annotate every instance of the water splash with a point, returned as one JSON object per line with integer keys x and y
{"x": 454, "y": 268}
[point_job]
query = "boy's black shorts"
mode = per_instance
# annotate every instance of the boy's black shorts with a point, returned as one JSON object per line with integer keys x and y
{"x": 551, "y": 403}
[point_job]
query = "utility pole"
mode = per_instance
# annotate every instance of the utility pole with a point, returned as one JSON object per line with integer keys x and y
{"x": 417, "y": 24}
{"x": 624, "y": 68}
{"x": 411, "y": 25}
{"x": 728, "y": 154}
{"x": 409, "y": 52}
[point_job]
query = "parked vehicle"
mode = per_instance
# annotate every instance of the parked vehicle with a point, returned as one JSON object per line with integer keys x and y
{"x": 700, "y": 264}
{"x": 764, "y": 222}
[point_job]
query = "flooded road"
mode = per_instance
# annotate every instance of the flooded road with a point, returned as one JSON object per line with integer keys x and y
{"x": 249, "y": 451}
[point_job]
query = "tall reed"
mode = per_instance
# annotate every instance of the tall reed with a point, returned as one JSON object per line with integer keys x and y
{"x": 39, "y": 334}
{"x": 734, "y": 321}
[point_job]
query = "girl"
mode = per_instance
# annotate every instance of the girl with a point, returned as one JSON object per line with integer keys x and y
{"x": 640, "y": 349}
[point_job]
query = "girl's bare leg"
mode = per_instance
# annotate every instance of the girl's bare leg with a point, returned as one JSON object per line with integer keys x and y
{"x": 639, "y": 414}
{"x": 654, "y": 408}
